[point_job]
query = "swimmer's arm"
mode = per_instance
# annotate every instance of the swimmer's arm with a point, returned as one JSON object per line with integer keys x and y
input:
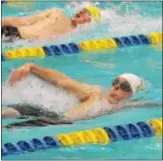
{"x": 27, "y": 20}
{"x": 82, "y": 111}
{"x": 142, "y": 104}
{"x": 131, "y": 104}
{"x": 61, "y": 80}
{"x": 137, "y": 104}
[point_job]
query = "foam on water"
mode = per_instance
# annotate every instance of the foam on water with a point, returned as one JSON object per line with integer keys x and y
{"x": 33, "y": 90}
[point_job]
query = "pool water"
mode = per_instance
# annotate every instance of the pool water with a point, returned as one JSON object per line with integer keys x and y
{"x": 100, "y": 68}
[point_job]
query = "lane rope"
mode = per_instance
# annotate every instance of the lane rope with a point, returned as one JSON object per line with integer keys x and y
{"x": 86, "y": 46}
{"x": 101, "y": 136}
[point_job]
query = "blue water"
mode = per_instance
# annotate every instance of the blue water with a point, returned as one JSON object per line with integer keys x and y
{"x": 101, "y": 68}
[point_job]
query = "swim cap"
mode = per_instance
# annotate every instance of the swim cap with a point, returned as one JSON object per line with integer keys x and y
{"x": 135, "y": 81}
{"x": 95, "y": 12}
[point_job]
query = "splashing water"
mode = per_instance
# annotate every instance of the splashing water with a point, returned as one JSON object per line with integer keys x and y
{"x": 35, "y": 91}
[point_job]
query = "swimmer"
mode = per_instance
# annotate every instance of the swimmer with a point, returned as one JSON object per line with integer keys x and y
{"x": 115, "y": 99}
{"x": 47, "y": 24}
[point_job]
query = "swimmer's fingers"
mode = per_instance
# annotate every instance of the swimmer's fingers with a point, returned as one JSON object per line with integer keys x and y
{"x": 17, "y": 75}
{"x": 23, "y": 73}
{"x": 12, "y": 78}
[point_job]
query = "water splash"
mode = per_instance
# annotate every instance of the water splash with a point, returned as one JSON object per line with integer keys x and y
{"x": 35, "y": 91}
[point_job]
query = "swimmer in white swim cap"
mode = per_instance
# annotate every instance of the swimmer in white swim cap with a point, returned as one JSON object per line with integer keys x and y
{"x": 47, "y": 24}
{"x": 125, "y": 86}
{"x": 91, "y": 98}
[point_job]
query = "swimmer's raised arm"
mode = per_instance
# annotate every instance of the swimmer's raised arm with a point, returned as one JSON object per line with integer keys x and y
{"x": 59, "y": 79}
{"x": 27, "y": 20}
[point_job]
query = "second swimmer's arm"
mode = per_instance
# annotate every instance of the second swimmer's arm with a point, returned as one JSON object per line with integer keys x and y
{"x": 27, "y": 20}
{"x": 61, "y": 80}
{"x": 137, "y": 104}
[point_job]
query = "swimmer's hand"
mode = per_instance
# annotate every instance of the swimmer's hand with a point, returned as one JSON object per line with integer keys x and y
{"x": 19, "y": 74}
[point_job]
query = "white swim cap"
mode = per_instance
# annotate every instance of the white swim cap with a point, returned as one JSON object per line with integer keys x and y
{"x": 135, "y": 81}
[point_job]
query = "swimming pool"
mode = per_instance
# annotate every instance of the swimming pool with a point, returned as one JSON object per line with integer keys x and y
{"x": 100, "y": 68}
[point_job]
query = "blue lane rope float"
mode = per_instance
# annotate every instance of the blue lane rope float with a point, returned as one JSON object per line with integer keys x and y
{"x": 132, "y": 40}
{"x": 103, "y": 135}
{"x": 30, "y": 146}
{"x": 3, "y": 57}
{"x": 87, "y": 46}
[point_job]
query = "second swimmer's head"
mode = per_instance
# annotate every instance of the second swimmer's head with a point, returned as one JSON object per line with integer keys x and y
{"x": 125, "y": 86}
{"x": 86, "y": 15}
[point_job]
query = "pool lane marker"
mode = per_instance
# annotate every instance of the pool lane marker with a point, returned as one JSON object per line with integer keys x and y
{"x": 100, "y": 136}
{"x": 86, "y": 46}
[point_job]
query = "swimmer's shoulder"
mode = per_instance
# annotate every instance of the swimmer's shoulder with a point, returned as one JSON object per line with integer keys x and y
{"x": 98, "y": 89}
{"x": 94, "y": 91}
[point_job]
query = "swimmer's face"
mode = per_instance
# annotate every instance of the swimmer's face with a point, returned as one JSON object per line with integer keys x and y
{"x": 81, "y": 17}
{"x": 120, "y": 89}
